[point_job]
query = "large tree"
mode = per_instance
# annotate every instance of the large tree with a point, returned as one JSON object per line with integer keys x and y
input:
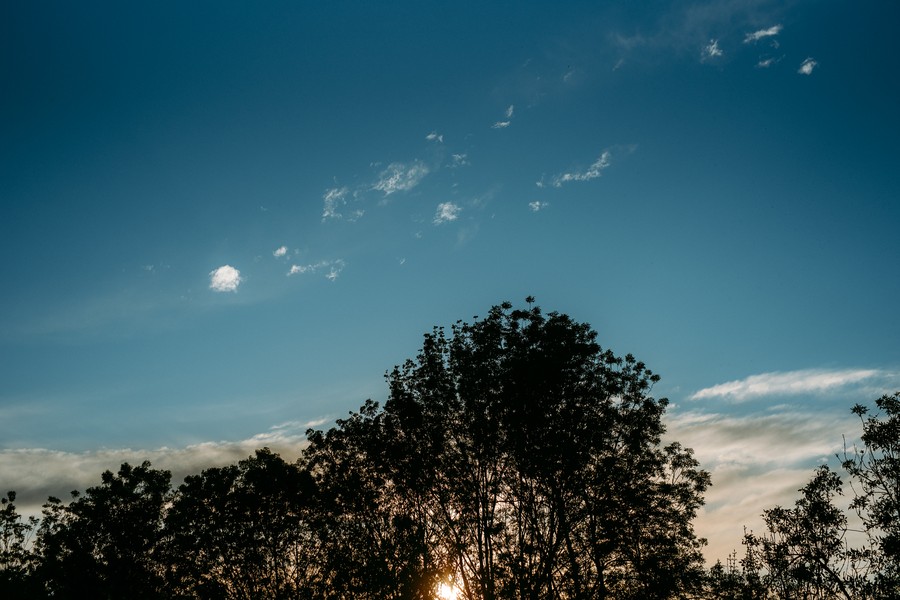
{"x": 526, "y": 462}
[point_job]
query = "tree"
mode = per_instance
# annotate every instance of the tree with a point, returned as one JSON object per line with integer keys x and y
{"x": 875, "y": 471}
{"x": 527, "y": 463}
{"x": 16, "y": 561}
{"x": 240, "y": 531}
{"x": 369, "y": 542}
{"x": 804, "y": 552}
{"x": 106, "y": 541}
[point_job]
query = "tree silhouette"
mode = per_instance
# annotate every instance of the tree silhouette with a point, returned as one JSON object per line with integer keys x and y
{"x": 240, "y": 531}
{"x": 106, "y": 542}
{"x": 525, "y": 462}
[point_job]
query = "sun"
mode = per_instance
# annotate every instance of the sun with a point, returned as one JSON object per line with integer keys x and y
{"x": 447, "y": 591}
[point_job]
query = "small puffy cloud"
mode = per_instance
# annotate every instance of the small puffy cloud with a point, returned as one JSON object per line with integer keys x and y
{"x": 446, "y": 212}
{"x": 537, "y": 205}
{"x": 333, "y": 200}
{"x": 398, "y": 177}
{"x": 434, "y": 137}
{"x": 790, "y": 383}
{"x": 225, "y": 279}
{"x": 762, "y": 33}
{"x": 711, "y": 50}
{"x": 807, "y": 67}
{"x": 280, "y": 251}
{"x": 593, "y": 172}
{"x": 501, "y": 125}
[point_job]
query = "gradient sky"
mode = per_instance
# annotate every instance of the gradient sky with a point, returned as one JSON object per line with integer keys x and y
{"x": 221, "y": 222}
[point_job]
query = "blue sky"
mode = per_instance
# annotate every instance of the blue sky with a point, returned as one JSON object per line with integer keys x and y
{"x": 223, "y": 221}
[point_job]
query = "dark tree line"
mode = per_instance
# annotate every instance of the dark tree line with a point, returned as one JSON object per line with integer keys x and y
{"x": 513, "y": 459}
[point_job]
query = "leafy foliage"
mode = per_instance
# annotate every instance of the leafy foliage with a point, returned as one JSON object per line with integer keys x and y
{"x": 514, "y": 458}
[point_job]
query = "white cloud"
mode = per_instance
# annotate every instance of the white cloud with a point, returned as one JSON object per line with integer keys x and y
{"x": 334, "y": 268}
{"x": 333, "y": 199}
{"x": 756, "y": 462}
{"x": 508, "y": 120}
{"x": 593, "y": 172}
{"x": 537, "y": 205}
{"x": 400, "y": 178}
{"x": 711, "y": 50}
{"x": 434, "y": 137}
{"x": 762, "y": 33}
{"x": 765, "y": 63}
{"x": 790, "y": 383}
{"x": 807, "y": 67}
{"x": 225, "y": 279}
{"x": 446, "y": 211}
{"x": 280, "y": 251}
{"x": 459, "y": 160}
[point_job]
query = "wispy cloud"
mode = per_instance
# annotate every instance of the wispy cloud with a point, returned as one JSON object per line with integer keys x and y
{"x": 807, "y": 67}
{"x": 592, "y": 172}
{"x": 334, "y": 268}
{"x": 333, "y": 200}
{"x": 757, "y": 461}
{"x": 762, "y": 33}
{"x": 434, "y": 137}
{"x": 711, "y": 50}
{"x": 537, "y": 205}
{"x": 446, "y": 212}
{"x": 507, "y": 120}
{"x": 459, "y": 160}
{"x": 790, "y": 383}
{"x": 280, "y": 251}
{"x": 225, "y": 279}
{"x": 765, "y": 63}
{"x": 399, "y": 177}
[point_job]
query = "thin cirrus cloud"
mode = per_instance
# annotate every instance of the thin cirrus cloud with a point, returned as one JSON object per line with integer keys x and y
{"x": 225, "y": 279}
{"x": 592, "y": 172}
{"x": 762, "y": 33}
{"x": 806, "y": 68}
{"x": 399, "y": 177}
{"x": 508, "y": 118}
{"x": 333, "y": 267}
{"x": 434, "y": 136}
{"x": 789, "y": 383}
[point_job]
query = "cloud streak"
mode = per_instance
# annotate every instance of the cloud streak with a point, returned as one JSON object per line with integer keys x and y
{"x": 790, "y": 383}
{"x": 592, "y": 172}
{"x": 762, "y": 33}
{"x": 334, "y": 268}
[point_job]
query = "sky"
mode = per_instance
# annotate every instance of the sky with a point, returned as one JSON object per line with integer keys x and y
{"x": 222, "y": 222}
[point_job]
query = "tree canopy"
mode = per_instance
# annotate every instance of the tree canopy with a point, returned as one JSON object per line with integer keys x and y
{"x": 514, "y": 458}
